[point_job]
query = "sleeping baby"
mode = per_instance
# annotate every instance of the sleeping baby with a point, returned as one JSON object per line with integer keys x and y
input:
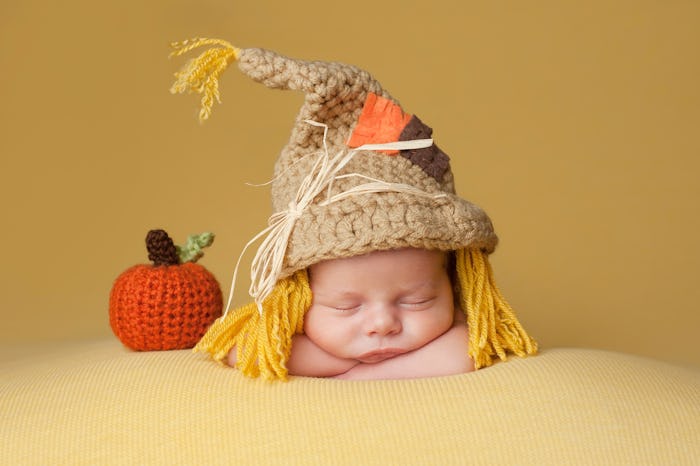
{"x": 371, "y": 267}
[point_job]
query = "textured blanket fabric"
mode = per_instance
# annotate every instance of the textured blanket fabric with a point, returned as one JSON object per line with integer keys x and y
{"x": 99, "y": 403}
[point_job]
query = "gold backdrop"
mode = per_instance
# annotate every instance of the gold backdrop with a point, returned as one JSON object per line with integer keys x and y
{"x": 573, "y": 124}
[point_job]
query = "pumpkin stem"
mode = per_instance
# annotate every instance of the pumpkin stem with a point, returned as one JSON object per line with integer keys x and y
{"x": 161, "y": 249}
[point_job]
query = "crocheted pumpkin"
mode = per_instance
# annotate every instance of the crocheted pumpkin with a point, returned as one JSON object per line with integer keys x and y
{"x": 169, "y": 304}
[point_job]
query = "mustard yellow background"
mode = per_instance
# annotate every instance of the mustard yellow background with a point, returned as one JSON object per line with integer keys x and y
{"x": 573, "y": 124}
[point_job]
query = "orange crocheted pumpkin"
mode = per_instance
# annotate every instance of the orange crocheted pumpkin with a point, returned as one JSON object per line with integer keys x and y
{"x": 169, "y": 304}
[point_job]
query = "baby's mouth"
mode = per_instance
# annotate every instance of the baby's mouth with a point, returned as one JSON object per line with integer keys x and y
{"x": 379, "y": 355}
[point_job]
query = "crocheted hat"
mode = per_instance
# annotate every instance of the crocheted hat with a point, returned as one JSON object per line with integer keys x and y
{"x": 358, "y": 174}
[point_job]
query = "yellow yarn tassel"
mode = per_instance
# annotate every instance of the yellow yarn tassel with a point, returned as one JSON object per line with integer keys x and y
{"x": 201, "y": 74}
{"x": 263, "y": 341}
{"x": 493, "y": 328}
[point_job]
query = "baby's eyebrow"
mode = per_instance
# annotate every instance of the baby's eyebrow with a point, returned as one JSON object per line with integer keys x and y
{"x": 431, "y": 281}
{"x": 336, "y": 293}
{"x": 424, "y": 287}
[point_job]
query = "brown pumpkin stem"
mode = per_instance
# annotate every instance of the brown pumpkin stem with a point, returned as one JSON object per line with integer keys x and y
{"x": 161, "y": 249}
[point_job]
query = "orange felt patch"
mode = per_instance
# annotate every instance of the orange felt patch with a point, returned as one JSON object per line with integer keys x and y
{"x": 381, "y": 121}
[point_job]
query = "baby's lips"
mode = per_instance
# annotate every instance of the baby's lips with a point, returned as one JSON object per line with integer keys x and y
{"x": 380, "y": 355}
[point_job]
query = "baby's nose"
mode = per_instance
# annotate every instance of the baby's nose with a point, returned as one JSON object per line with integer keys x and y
{"x": 383, "y": 320}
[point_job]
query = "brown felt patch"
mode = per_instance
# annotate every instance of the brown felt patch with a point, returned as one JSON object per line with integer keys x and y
{"x": 431, "y": 159}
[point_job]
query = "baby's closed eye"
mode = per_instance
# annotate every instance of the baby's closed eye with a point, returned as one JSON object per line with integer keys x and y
{"x": 345, "y": 307}
{"x": 417, "y": 302}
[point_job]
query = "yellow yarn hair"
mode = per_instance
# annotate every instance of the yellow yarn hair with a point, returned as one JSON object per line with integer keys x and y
{"x": 263, "y": 341}
{"x": 493, "y": 328}
{"x": 201, "y": 74}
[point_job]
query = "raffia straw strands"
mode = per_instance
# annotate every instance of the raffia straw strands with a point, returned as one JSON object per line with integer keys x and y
{"x": 269, "y": 259}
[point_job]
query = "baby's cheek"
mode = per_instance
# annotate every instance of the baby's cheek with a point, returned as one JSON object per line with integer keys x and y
{"x": 444, "y": 322}
{"x": 313, "y": 322}
{"x": 325, "y": 335}
{"x": 424, "y": 327}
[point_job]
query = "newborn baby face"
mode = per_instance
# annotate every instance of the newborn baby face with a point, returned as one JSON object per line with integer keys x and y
{"x": 379, "y": 305}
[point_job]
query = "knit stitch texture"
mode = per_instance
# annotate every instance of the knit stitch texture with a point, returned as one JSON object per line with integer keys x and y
{"x": 335, "y": 94}
{"x": 164, "y": 307}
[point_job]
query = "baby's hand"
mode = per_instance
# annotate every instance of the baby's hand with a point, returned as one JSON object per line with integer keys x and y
{"x": 446, "y": 355}
{"x": 308, "y": 359}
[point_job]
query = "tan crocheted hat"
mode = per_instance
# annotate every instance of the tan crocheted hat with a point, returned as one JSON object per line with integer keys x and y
{"x": 357, "y": 175}
{"x": 382, "y": 197}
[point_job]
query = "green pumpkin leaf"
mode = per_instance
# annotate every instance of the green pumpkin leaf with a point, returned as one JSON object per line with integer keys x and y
{"x": 192, "y": 250}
